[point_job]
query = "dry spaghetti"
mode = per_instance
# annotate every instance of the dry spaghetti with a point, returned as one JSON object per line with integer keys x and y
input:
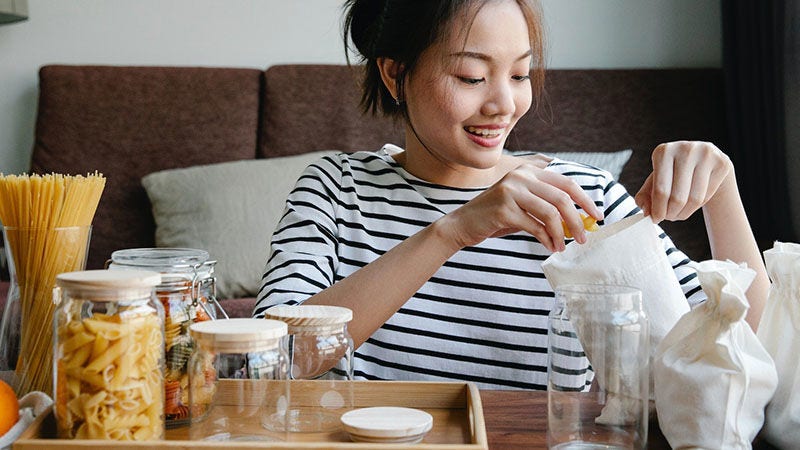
{"x": 46, "y": 220}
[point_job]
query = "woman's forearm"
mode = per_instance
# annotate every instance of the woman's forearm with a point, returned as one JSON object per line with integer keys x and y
{"x": 378, "y": 290}
{"x": 731, "y": 237}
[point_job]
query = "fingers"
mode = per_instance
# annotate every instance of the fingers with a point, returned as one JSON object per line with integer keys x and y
{"x": 530, "y": 199}
{"x": 552, "y": 204}
{"x": 685, "y": 176}
{"x": 643, "y": 197}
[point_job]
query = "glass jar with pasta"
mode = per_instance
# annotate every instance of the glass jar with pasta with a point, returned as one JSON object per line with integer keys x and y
{"x": 188, "y": 294}
{"x": 237, "y": 380}
{"x": 108, "y": 356}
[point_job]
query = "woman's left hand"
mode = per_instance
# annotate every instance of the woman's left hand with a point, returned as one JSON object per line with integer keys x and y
{"x": 686, "y": 175}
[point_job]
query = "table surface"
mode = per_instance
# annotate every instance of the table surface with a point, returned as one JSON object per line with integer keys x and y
{"x": 518, "y": 419}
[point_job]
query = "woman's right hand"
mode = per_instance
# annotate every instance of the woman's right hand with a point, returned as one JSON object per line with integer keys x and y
{"x": 527, "y": 198}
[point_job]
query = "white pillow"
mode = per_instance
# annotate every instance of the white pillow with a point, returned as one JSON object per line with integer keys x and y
{"x": 228, "y": 209}
{"x": 613, "y": 162}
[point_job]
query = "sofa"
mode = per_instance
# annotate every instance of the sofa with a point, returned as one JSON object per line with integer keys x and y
{"x": 161, "y": 136}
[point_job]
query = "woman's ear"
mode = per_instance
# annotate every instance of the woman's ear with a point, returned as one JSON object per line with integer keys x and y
{"x": 390, "y": 69}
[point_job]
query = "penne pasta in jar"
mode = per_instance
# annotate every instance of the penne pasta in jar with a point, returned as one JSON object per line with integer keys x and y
{"x": 108, "y": 359}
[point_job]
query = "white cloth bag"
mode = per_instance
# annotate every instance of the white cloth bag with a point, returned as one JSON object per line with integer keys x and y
{"x": 713, "y": 378}
{"x": 779, "y": 332}
{"x": 627, "y": 253}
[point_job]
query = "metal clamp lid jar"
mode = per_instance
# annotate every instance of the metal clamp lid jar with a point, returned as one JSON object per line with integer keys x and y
{"x": 108, "y": 357}
{"x": 188, "y": 293}
{"x": 179, "y": 268}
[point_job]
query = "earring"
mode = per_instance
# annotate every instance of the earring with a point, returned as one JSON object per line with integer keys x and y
{"x": 397, "y": 101}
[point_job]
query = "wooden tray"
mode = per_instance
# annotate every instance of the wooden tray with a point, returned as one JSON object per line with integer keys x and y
{"x": 458, "y": 423}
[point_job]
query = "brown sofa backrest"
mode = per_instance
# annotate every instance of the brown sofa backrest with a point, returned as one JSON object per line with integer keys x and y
{"x": 130, "y": 121}
{"x": 316, "y": 107}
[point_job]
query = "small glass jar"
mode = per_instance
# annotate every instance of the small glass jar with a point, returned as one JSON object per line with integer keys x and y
{"x": 320, "y": 367}
{"x": 108, "y": 356}
{"x": 188, "y": 294}
{"x": 237, "y": 380}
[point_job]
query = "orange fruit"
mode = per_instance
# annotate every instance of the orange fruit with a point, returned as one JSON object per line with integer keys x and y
{"x": 9, "y": 408}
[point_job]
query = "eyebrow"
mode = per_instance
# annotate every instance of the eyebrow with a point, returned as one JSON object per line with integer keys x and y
{"x": 484, "y": 56}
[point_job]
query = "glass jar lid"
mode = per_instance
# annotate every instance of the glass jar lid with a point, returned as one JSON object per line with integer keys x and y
{"x": 316, "y": 319}
{"x": 107, "y": 285}
{"x": 174, "y": 263}
{"x": 238, "y": 335}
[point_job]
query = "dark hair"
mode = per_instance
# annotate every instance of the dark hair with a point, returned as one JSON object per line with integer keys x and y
{"x": 402, "y": 29}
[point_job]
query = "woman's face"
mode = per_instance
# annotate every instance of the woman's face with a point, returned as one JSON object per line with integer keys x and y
{"x": 464, "y": 97}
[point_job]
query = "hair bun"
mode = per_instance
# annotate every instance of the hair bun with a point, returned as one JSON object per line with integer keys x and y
{"x": 366, "y": 24}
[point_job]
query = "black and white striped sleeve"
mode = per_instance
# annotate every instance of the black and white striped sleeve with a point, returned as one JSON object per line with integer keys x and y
{"x": 303, "y": 259}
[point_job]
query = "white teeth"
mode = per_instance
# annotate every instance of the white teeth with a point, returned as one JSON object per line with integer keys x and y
{"x": 485, "y": 131}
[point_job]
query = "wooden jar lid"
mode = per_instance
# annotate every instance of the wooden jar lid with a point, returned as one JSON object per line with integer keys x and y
{"x": 313, "y": 319}
{"x": 107, "y": 285}
{"x": 238, "y": 335}
{"x": 388, "y": 424}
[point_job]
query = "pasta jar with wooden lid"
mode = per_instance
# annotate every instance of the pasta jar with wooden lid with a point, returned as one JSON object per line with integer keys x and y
{"x": 108, "y": 356}
{"x": 320, "y": 367}
{"x": 237, "y": 379}
{"x": 188, "y": 293}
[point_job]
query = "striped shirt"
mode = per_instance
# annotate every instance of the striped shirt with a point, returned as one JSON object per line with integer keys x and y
{"x": 482, "y": 317}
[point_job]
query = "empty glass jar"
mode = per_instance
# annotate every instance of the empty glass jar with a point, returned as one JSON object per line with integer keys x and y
{"x": 188, "y": 294}
{"x": 237, "y": 380}
{"x": 321, "y": 365}
{"x": 108, "y": 356}
{"x": 598, "y": 369}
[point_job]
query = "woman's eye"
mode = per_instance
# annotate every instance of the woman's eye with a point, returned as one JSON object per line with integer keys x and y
{"x": 521, "y": 77}
{"x": 469, "y": 80}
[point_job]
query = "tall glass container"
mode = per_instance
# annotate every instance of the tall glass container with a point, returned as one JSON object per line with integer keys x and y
{"x": 321, "y": 365}
{"x": 108, "y": 356}
{"x": 598, "y": 369}
{"x": 35, "y": 257}
{"x": 188, "y": 294}
{"x": 237, "y": 379}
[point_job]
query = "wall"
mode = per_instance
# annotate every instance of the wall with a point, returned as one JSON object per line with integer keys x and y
{"x": 261, "y": 33}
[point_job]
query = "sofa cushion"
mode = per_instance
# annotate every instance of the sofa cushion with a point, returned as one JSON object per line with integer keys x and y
{"x": 129, "y": 121}
{"x": 613, "y": 162}
{"x": 228, "y": 209}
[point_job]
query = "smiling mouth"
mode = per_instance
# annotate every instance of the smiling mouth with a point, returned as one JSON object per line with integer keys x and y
{"x": 484, "y": 132}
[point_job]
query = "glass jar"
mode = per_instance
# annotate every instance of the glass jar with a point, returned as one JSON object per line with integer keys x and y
{"x": 237, "y": 379}
{"x": 320, "y": 365}
{"x": 188, "y": 294}
{"x": 108, "y": 356}
{"x": 598, "y": 369}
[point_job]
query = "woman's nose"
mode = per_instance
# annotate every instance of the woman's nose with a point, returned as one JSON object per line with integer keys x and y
{"x": 500, "y": 100}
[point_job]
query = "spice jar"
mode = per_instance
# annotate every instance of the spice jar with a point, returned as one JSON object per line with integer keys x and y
{"x": 320, "y": 365}
{"x": 237, "y": 379}
{"x": 188, "y": 293}
{"x": 108, "y": 357}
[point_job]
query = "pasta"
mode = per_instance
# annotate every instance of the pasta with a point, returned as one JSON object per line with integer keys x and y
{"x": 179, "y": 314}
{"x": 46, "y": 220}
{"x": 101, "y": 396}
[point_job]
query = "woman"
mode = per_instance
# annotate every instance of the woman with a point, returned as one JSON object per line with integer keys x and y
{"x": 437, "y": 247}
